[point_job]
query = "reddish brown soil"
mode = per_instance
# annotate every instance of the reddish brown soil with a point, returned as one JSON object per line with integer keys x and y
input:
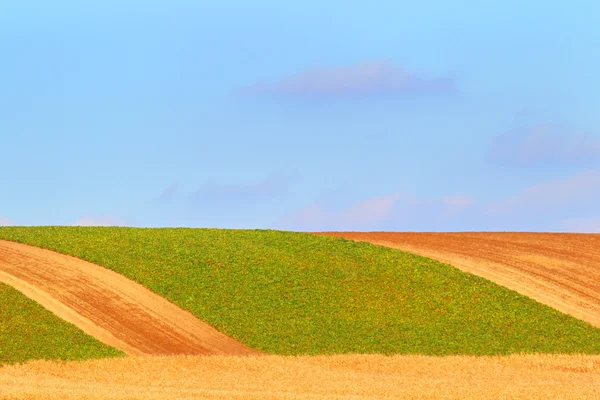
{"x": 561, "y": 270}
{"x": 108, "y": 306}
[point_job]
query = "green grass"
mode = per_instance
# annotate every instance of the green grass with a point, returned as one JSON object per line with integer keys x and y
{"x": 293, "y": 293}
{"x": 29, "y": 331}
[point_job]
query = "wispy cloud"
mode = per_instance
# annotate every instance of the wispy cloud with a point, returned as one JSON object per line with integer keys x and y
{"x": 394, "y": 211}
{"x": 562, "y": 204}
{"x": 366, "y": 79}
{"x": 5, "y": 221}
{"x": 359, "y": 215}
{"x": 213, "y": 199}
{"x": 554, "y": 205}
{"x": 168, "y": 194}
{"x": 544, "y": 144}
{"x": 104, "y": 220}
{"x": 212, "y": 194}
{"x": 456, "y": 203}
{"x": 582, "y": 225}
{"x": 575, "y": 191}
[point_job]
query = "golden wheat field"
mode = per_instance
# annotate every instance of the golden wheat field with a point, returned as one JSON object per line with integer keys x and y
{"x": 317, "y": 377}
{"x": 559, "y": 270}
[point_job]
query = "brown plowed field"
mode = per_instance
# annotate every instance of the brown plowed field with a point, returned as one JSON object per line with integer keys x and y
{"x": 561, "y": 270}
{"x": 108, "y": 306}
{"x": 295, "y": 378}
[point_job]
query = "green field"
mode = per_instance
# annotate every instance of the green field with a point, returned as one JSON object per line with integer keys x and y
{"x": 293, "y": 293}
{"x": 29, "y": 331}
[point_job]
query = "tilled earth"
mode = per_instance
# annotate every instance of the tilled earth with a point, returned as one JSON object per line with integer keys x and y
{"x": 108, "y": 306}
{"x": 561, "y": 270}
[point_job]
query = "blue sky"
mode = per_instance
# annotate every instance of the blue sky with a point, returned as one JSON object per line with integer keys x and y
{"x": 381, "y": 115}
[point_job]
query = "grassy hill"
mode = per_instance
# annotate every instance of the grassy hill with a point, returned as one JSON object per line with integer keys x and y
{"x": 29, "y": 331}
{"x": 293, "y": 293}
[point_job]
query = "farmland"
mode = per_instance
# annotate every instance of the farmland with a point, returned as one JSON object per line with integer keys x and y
{"x": 318, "y": 377}
{"x": 108, "y": 306}
{"x": 557, "y": 269}
{"x": 299, "y": 294}
{"x": 28, "y": 331}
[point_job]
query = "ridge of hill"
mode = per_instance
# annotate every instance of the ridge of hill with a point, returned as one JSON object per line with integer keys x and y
{"x": 294, "y": 293}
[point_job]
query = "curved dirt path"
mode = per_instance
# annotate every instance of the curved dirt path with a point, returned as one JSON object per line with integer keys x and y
{"x": 108, "y": 306}
{"x": 561, "y": 270}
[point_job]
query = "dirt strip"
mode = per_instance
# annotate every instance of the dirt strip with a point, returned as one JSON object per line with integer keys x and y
{"x": 561, "y": 270}
{"x": 108, "y": 306}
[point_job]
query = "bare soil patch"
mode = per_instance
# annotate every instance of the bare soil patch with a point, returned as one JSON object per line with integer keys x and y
{"x": 561, "y": 270}
{"x": 108, "y": 306}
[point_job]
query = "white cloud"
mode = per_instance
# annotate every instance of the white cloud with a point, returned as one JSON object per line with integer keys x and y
{"x": 105, "y": 220}
{"x": 168, "y": 194}
{"x": 5, "y": 221}
{"x": 555, "y": 205}
{"x": 212, "y": 194}
{"x": 581, "y": 225}
{"x": 544, "y": 144}
{"x": 358, "y": 215}
{"x": 457, "y": 202}
{"x": 363, "y": 79}
{"x": 578, "y": 190}
{"x": 393, "y": 211}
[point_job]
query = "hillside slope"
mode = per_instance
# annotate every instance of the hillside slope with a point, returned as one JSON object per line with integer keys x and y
{"x": 28, "y": 331}
{"x": 293, "y": 293}
{"x": 108, "y": 306}
{"x": 561, "y": 270}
